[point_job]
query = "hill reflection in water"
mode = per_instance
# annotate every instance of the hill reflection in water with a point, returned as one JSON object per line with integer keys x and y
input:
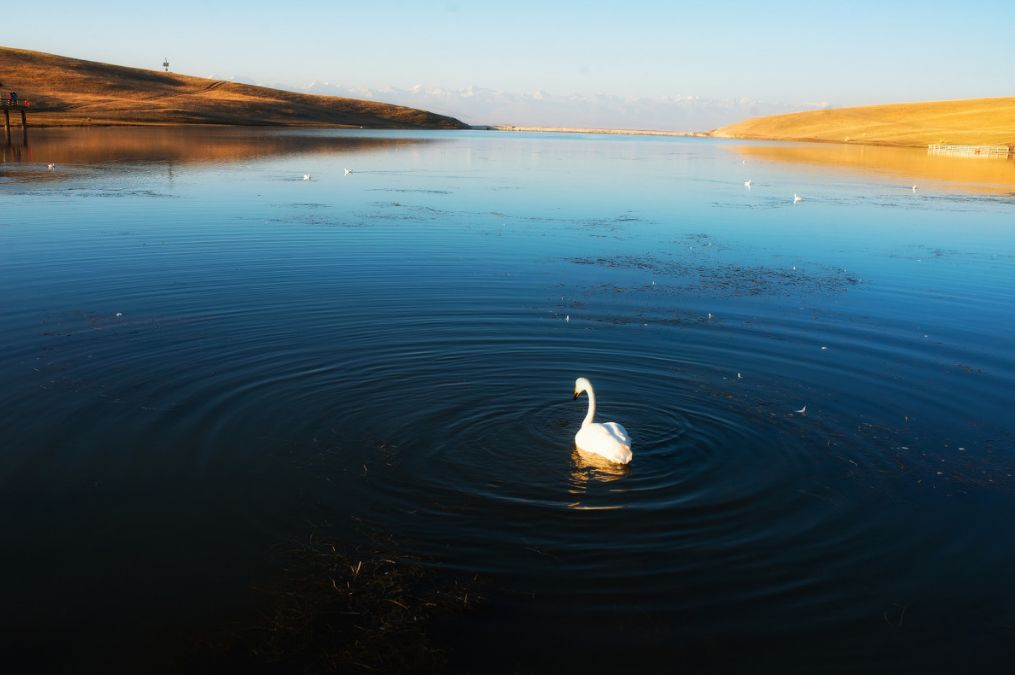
{"x": 911, "y": 165}
{"x": 187, "y": 144}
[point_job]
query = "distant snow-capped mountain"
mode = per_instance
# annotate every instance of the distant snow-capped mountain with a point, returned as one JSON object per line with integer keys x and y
{"x": 481, "y": 106}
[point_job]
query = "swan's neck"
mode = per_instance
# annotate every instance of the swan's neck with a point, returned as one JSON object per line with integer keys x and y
{"x": 592, "y": 407}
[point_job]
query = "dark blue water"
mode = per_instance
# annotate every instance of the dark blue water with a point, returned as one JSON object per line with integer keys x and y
{"x": 205, "y": 355}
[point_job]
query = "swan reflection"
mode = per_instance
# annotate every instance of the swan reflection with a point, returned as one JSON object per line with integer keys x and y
{"x": 587, "y": 470}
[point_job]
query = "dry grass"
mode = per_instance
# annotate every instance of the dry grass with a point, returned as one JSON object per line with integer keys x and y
{"x": 72, "y": 92}
{"x": 370, "y": 609}
{"x": 982, "y": 121}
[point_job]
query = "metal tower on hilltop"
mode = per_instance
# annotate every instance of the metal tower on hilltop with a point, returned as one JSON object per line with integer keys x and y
{"x": 165, "y": 64}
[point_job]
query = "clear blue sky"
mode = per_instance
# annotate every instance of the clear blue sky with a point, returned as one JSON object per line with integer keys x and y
{"x": 856, "y": 52}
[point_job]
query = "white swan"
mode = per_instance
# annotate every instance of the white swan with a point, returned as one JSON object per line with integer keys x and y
{"x": 797, "y": 198}
{"x": 306, "y": 176}
{"x": 609, "y": 440}
{"x": 747, "y": 183}
{"x": 348, "y": 171}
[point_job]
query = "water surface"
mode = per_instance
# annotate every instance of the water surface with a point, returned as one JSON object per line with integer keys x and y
{"x": 206, "y": 355}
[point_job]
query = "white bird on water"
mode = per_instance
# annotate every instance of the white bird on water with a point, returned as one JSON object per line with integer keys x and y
{"x": 609, "y": 440}
{"x": 802, "y": 411}
{"x": 914, "y": 188}
{"x": 348, "y": 171}
{"x": 51, "y": 166}
{"x": 797, "y": 198}
{"x": 306, "y": 176}
{"x": 747, "y": 183}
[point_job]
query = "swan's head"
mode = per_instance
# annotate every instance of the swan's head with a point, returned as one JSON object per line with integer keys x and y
{"x": 581, "y": 385}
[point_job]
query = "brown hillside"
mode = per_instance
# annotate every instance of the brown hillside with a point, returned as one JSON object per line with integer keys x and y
{"x": 69, "y": 92}
{"x": 980, "y": 121}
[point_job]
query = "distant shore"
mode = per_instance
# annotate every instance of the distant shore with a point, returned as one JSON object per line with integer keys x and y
{"x": 580, "y": 130}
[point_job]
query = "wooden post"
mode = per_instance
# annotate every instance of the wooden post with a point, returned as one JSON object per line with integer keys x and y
{"x": 7, "y": 123}
{"x": 24, "y": 126}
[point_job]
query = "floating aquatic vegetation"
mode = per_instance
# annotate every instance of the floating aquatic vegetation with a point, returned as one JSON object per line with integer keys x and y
{"x": 729, "y": 278}
{"x": 415, "y": 190}
{"x": 350, "y": 609}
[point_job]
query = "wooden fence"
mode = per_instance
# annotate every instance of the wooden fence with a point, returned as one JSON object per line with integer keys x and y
{"x": 8, "y": 106}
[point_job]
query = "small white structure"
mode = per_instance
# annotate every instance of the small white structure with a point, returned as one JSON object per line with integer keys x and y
{"x": 982, "y": 151}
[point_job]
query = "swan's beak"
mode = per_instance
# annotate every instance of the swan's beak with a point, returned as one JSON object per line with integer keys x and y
{"x": 576, "y": 395}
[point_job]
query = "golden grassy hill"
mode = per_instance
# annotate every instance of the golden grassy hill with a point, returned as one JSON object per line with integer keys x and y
{"x": 978, "y": 121}
{"x": 70, "y": 92}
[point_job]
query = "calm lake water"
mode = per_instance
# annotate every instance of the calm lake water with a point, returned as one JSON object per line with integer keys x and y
{"x": 205, "y": 356}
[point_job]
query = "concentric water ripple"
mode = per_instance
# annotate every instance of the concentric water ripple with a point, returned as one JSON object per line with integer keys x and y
{"x": 189, "y": 381}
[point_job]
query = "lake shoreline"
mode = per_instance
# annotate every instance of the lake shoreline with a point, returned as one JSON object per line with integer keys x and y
{"x": 715, "y": 133}
{"x": 44, "y": 120}
{"x": 581, "y": 130}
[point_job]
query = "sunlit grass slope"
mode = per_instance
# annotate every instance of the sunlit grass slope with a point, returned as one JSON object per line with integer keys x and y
{"x": 981, "y": 121}
{"x": 69, "y": 92}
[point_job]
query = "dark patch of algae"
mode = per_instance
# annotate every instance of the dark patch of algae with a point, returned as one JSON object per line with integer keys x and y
{"x": 348, "y": 610}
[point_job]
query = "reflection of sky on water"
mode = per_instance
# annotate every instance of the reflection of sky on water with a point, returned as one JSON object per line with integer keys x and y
{"x": 200, "y": 343}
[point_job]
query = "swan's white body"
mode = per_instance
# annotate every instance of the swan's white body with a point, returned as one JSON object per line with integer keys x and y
{"x": 609, "y": 440}
{"x": 747, "y": 183}
{"x": 348, "y": 171}
{"x": 797, "y": 198}
{"x": 306, "y": 176}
